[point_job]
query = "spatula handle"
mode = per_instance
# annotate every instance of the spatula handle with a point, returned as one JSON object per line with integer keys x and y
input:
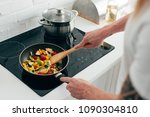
{"x": 70, "y": 51}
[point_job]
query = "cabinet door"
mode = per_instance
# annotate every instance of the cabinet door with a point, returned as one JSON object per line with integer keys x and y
{"x": 113, "y": 78}
{"x": 108, "y": 81}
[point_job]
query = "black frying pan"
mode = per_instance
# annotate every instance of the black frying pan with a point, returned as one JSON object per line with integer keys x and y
{"x": 42, "y": 81}
{"x": 33, "y": 48}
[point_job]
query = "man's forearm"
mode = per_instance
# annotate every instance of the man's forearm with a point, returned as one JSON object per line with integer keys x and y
{"x": 119, "y": 25}
{"x": 111, "y": 29}
{"x": 116, "y": 26}
{"x": 99, "y": 94}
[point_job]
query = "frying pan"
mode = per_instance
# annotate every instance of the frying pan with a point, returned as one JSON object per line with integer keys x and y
{"x": 42, "y": 79}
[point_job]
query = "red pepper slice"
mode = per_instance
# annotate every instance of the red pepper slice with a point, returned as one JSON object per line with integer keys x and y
{"x": 35, "y": 57}
{"x": 52, "y": 66}
{"x": 40, "y": 73}
{"x": 54, "y": 53}
{"x": 43, "y": 57}
{"x": 49, "y": 72}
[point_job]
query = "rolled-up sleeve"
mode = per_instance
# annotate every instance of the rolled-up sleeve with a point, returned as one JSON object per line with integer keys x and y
{"x": 140, "y": 68}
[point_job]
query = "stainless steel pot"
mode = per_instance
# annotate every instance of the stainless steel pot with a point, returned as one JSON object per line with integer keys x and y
{"x": 58, "y": 22}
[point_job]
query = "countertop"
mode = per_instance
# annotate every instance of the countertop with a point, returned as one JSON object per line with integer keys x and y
{"x": 13, "y": 88}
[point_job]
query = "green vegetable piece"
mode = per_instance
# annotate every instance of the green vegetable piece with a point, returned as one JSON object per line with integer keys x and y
{"x": 39, "y": 62}
{"x": 31, "y": 58}
{"x": 47, "y": 65}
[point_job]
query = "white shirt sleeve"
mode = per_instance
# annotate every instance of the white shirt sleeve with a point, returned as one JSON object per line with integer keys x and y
{"x": 140, "y": 68}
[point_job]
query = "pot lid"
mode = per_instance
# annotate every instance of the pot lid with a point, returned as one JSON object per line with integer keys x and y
{"x": 58, "y": 15}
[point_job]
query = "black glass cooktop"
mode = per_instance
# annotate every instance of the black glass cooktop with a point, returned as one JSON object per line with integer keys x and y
{"x": 79, "y": 60}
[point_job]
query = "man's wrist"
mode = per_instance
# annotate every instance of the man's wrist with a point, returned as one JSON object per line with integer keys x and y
{"x": 103, "y": 95}
{"x": 112, "y": 29}
{"x": 108, "y": 30}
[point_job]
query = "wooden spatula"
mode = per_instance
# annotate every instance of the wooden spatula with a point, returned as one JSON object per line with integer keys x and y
{"x": 56, "y": 58}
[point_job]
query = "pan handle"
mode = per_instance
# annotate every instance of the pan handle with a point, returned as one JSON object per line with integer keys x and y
{"x": 59, "y": 75}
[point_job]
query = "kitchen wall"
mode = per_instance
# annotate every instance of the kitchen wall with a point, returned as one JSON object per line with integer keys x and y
{"x": 17, "y": 16}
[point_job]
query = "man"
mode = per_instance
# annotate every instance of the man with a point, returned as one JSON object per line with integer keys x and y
{"x": 82, "y": 89}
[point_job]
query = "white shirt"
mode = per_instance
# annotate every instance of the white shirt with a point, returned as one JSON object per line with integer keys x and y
{"x": 136, "y": 59}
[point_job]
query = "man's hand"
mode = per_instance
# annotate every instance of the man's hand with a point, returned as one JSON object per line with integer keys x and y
{"x": 82, "y": 89}
{"x": 94, "y": 38}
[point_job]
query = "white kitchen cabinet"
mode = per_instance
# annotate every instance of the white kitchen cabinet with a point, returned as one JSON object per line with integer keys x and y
{"x": 108, "y": 81}
{"x": 112, "y": 79}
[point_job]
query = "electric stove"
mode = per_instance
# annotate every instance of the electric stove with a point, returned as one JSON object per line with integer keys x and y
{"x": 78, "y": 60}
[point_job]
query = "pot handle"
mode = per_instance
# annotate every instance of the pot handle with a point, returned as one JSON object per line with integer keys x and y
{"x": 44, "y": 22}
{"x": 75, "y": 12}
